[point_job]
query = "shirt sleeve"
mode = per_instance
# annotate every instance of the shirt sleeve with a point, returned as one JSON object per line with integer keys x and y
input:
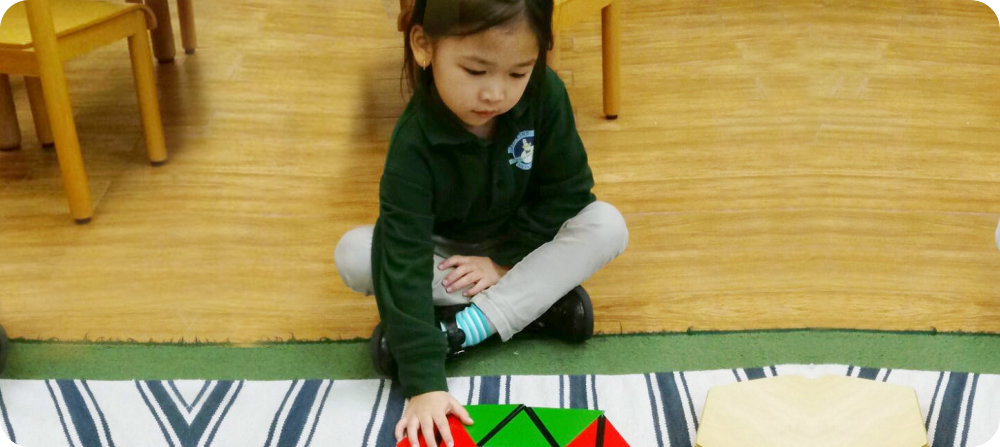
{"x": 561, "y": 179}
{"x": 402, "y": 269}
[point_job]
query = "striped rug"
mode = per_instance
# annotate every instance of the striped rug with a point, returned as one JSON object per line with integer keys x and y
{"x": 657, "y": 409}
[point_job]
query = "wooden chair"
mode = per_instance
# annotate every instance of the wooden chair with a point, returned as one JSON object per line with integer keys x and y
{"x": 163, "y": 35}
{"x": 567, "y": 13}
{"x": 37, "y": 36}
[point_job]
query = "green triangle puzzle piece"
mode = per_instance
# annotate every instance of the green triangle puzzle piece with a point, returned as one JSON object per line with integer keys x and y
{"x": 486, "y": 417}
{"x": 520, "y": 432}
{"x": 566, "y": 425}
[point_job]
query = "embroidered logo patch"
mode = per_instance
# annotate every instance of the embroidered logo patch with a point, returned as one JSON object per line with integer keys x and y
{"x": 522, "y": 150}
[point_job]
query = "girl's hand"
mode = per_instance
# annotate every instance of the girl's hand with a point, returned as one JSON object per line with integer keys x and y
{"x": 424, "y": 412}
{"x": 481, "y": 271}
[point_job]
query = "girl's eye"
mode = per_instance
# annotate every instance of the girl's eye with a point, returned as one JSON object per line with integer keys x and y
{"x": 474, "y": 72}
{"x": 518, "y": 75}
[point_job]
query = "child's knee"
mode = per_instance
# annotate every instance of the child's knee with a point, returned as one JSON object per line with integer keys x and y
{"x": 353, "y": 259}
{"x": 607, "y": 226}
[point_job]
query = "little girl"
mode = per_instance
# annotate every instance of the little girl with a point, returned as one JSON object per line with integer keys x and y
{"x": 487, "y": 223}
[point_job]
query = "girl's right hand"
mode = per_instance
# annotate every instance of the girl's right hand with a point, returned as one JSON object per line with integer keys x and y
{"x": 424, "y": 412}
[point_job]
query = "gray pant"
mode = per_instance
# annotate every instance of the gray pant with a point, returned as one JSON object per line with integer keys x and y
{"x": 583, "y": 245}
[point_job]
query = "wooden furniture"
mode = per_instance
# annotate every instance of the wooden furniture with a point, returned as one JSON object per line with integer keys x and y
{"x": 163, "y": 35}
{"x": 569, "y": 12}
{"x": 831, "y": 411}
{"x": 10, "y": 132}
{"x": 37, "y": 36}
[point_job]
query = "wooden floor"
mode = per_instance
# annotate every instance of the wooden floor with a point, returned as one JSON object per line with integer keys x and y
{"x": 801, "y": 163}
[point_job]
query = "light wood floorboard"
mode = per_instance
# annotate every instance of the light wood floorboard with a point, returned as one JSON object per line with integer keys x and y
{"x": 801, "y": 163}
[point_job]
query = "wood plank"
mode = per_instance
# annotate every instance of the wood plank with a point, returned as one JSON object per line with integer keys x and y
{"x": 802, "y": 163}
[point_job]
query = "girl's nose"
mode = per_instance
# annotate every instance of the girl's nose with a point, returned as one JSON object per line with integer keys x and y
{"x": 492, "y": 93}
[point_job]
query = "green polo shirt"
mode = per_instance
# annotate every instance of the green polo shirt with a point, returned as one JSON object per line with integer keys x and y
{"x": 516, "y": 188}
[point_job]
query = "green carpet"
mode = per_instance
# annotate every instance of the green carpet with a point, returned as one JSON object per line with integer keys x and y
{"x": 612, "y": 354}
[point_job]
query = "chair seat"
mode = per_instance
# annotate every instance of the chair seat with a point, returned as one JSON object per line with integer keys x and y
{"x": 68, "y": 16}
{"x": 567, "y": 13}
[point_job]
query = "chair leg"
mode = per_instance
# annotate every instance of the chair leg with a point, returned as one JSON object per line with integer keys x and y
{"x": 10, "y": 131}
{"x": 163, "y": 35}
{"x": 611, "y": 57}
{"x": 189, "y": 38}
{"x": 60, "y": 111}
{"x": 145, "y": 87}
{"x": 36, "y": 98}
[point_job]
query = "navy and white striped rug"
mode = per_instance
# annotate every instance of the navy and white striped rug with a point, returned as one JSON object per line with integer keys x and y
{"x": 659, "y": 409}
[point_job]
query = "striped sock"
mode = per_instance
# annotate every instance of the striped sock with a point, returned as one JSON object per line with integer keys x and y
{"x": 473, "y": 322}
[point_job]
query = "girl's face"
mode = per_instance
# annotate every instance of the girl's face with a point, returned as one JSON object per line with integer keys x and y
{"x": 483, "y": 75}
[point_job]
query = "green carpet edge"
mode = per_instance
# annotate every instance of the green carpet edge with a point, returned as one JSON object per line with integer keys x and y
{"x": 604, "y": 354}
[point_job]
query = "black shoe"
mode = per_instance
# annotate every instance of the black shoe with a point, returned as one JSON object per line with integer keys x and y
{"x": 382, "y": 359}
{"x": 456, "y": 336}
{"x": 570, "y": 319}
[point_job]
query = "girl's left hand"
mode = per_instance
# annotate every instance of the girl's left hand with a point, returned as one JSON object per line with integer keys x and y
{"x": 478, "y": 270}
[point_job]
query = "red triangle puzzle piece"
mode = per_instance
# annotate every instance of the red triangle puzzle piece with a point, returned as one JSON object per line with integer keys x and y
{"x": 458, "y": 433}
{"x": 589, "y": 436}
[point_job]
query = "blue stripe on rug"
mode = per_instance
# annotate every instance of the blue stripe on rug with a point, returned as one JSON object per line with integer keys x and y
{"x": 277, "y": 415}
{"x": 489, "y": 390}
{"x": 189, "y": 434}
{"x": 673, "y": 410}
{"x": 296, "y": 419}
{"x": 944, "y": 434}
{"x": 578, "y": 392}
{"x": 319, "y": 412}
{"x": 930, "y": 410}
{"x": 887, "y": 372}
{"x": 655, "y": 409}
{"x": 375, "y": 412}
{"x": 6, "y": 419}
{"x": 393, "y": 412}
{"x": 180, "y": 396}
{"x": 83, "y": 420}
{"x": 59, "y": 411}
{"x": 156, "y": 417}
{"x": 687, "y": 394}
{"x": 100, "y": 413}
{"x": 968, "y": 409}
{"x": 506, "y": 399}
{"x": 222, "y": 416}
{"x": 755, "y": 373}
{"x": 868, "y": 373}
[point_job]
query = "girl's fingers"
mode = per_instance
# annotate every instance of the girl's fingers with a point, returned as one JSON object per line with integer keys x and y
{"x": 458, "y": 410}
{"x": 481, "y": 285}
{"x": 451, "y": 262}
{"x": 411, "y": 432}
{"x": 444, "y": 430}
{"x": 459, "y": 272}
{"x": 465, "y": 281}
{"x": 427, "y": 426}
{"x": 400, "y": 429}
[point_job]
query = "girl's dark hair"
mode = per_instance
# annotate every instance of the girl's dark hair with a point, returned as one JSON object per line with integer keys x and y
{"x": 467, "y": 17}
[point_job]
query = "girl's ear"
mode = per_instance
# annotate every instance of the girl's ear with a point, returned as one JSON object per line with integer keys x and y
{"x": 420, "y": 43}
